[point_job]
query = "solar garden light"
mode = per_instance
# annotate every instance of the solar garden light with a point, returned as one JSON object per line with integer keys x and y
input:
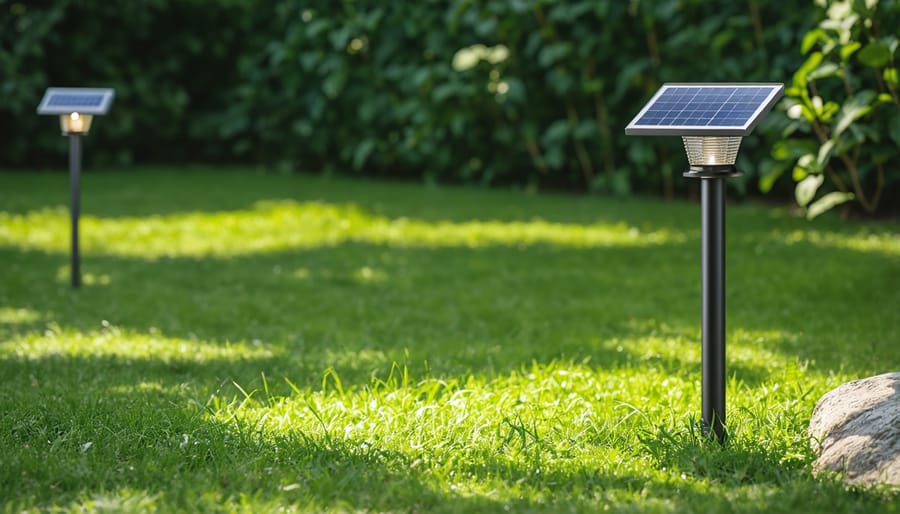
{"x": 711, "y": 120}
{"x": 76, "y": 108}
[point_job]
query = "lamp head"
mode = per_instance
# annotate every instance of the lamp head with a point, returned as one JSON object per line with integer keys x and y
{"x": 711, "y": 150}
{"x": 711, "y": 119}
{"x": 76, "y": 106}
{"x": 75, "y": 123}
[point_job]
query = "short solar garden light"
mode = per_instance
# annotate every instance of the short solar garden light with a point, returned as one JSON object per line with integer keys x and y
{"x": 76, "y": 108}
{"x": 711, "y": 120}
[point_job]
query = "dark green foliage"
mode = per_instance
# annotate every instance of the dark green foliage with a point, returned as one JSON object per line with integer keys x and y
{"x": 171, "y": 63}
{"x": 533, "y": 92}
{"x": 845, "y": 109}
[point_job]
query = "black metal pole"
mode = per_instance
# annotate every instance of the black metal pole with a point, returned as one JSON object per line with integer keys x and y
{"x": 75, "y": 202}
{"x": 712, "y": 194}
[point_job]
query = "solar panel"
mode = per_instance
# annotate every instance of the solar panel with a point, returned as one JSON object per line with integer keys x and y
{"x": 66, "y": 100}
{"x": 75, "y": 100}
{"x": 698, "y": 109}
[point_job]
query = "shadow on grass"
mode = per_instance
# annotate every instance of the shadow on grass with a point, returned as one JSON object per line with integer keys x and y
{"x": 360, "y": 307}
{"x": 457, "y": 325}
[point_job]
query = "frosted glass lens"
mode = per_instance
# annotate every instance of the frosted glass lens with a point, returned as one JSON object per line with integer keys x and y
{"x": 711, "y": 150}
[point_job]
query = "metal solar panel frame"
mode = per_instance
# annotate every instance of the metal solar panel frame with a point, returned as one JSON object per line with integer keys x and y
{"x": 107, "y": 95}
{"x": 633, "y": 129}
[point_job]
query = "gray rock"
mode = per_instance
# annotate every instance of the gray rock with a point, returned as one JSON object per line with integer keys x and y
{"x": 856, "y": 430}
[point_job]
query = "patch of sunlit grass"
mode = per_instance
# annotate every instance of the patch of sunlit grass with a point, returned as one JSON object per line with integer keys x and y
{"x": 125, "y": 345}
{"x": 863, "y": 240}
{"x": 9, "y": 315}
{"x": 526, "y": 434}
{"x": 125, "y": 500}
{"x": 271, "y": 226}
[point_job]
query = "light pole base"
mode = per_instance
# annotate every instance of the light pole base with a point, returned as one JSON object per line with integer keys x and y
{"x": 712, "y": 207}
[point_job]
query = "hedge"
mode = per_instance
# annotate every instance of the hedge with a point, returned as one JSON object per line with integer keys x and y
{"x": 530, "y": 92}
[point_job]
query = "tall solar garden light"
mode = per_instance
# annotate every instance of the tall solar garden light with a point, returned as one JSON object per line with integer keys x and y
{"x": 76, "y": 108}
{"x": 711, "y": 120}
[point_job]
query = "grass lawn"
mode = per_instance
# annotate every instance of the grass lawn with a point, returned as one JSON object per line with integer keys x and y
{"x": 249, "y": 342}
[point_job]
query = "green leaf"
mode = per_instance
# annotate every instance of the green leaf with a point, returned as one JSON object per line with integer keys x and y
{"x": 554, "y": 157}
{"x": 339, "y": 38}
{"x": 824, "y": 154}
{"x": 516, "y": 92}
{"x": 827, "y": 202}
{"x": 791, "y": 149}
{"x": 317, "y": 27}
{"x": 853, "y": 109}
{"x": 560, "y": 80}
{"x": 894, "y": 127}
{"x": 828, "y": 111}
{"x": 806, "y": 189}
{"x": 557, "y": 132}
{"x": 302, "y": 128}
{"x": 875, "y": 55}
{"x": 806, "y": 161}
{"x": 845, "y": 143}
{"x": 828, "y": 69}
{"x": 849, "y": 49}
{"x": 641, "y": 152}
{"x": 803, "y": 167}
{"x": 802, "y": 74}
{"x": 628, "y": 77}
{"x": 552, "y": 53}
{"x": 586, "y": 129}
{"x": 811, "y": 38}
{"x": 767, "y": 181}
{"x": 862, "y": 132}
{"x": 592, "y": 86}
{"x": 444, "y": 91}
{"x": 891, "y": 77}
{"x": 792, "y": 127}
{"x": 793, "y": 91}
{"x": 892, "y": 43}
{"x": 334, "y": 83}
{"x": 807, "y": 113}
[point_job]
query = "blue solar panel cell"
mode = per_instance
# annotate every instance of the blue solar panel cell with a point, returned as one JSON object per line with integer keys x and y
{"x": 696, "y": 107}
{"x": 75, "y": 100}
{"x": 706, "y": 108}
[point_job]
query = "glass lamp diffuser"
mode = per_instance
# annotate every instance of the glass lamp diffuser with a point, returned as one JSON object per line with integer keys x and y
{"x": 712, "y": 150}
{"x": 75, "y": 123}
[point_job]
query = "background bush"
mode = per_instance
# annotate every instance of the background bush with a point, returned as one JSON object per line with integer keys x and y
{"x": 844, "y": 103}
{"x": 532, "y": 92}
